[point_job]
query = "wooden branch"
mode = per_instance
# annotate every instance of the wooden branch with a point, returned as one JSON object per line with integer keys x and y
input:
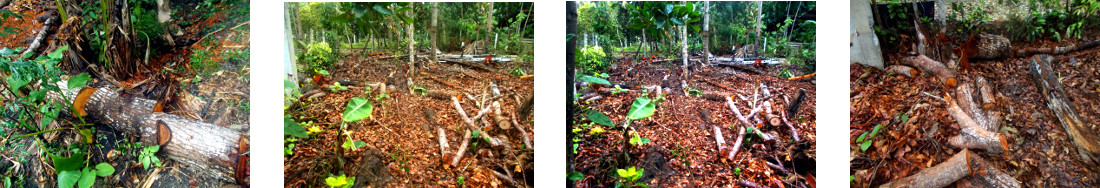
{"x": 444, "y": 148}
{"x": 794, "y": 132}
{"x": 736, "y": 144}
{"x": 796, "y": 78}
{"x": 902, "y": 70}
{"x": 768, "y": 138}
{"x": 204, "y": 147}
{"x": 523, "y": 133}
{"x": 720, "y": 141}
{"x": 720, "y": 85}
{"x": 461, "y": 148}
{"x": 1088, "y": 146}
{"x": 40, "y": 38}
{"x": 944, "y": 75}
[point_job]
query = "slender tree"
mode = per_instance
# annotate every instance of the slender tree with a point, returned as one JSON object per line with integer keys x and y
{"x": 412, "y": 51}
{"x": 435, "y": 31}
{"x": 684, "y": 49}
{"x": 570, "y": 61}
{"x": 706, "y": 33}
{"x": 488, "y": 26}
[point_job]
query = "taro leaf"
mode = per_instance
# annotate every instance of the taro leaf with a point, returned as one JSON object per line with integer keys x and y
{"x": 293, "y": 128}
{"x": 57, "y": 54}
{"x": 574, "y": 176}
{"x": 358, "y": 144}
{"x": 17, "y": 81}
{"x": 73, "y": 162}
{"x": 67, "y": 178}
{"x": 104, "y": 169}
{"x": 593, "y": 79}
{"x": 87, "y": 178}
{"x": 861, "y": 136}
{"x": 381, "y": 9}
{"x": 79, "y": 80}
{"x": 641, "y": 109}
{"x": 359, "y": 11}
{"x": 600, "y": 118}
{"x": 358, "y": 109}
{"x": 866, "y": 144}
{"x": 676, "y": 21}
{"x": 6, "y": 51}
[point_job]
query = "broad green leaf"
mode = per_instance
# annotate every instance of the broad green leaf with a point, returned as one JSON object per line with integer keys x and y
{"x": 104, "y": 169}
{"x": 359, "y": 11}
{"x": 676, "y": 21}
{"x": 641, "y": 109}
{"x": 73, "y": 162}
{"x": 866, "y": 144}
{"x": 600, "y": 118}
{"x": 145, "y": 162}
{"x": 57, "y": 54}
{"x": 287, "y": 84}
{"x": 861, "y": 136}
{"x": 593, "y": 79}
{"x": 404, "y": 19}
{"x": 381, "y": 9}
{"x": 358, "y": 109}
{"x": 293, "y": 128}
{"x": 904, "y": 118}
{"x": 67, "y": 178}
{"x": 79, "y": 80}
{"x": 404, "y": 9}
{"x": 16, "y": 81}
{"x": 574, "y": 176}
{"x": 875, "y": 131}
{"x": 359, "y": 144}
{"x": 87, "y": 178}
{"x": 6, "y": 51}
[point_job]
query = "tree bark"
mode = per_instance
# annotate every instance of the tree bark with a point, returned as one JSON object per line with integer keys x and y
{"x": 212, "y": 149}
{"x": 435, "y": 32}
{"x": 956, "y": 168}
{"x": 1088, "y": 146}
{"x": 570, "y": 63}
{"x": 684, "y": 48}
{"x": 944, "y": 75}
{"x": 412, "y": 51}
{"x": 488, "y": 27}
{"x": 706, "y": 33}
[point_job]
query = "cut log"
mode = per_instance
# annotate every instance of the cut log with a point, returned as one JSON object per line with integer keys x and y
{"x": 523, "y": 133}
{"x": 973, "y": 135}
{"x": 792, "y": 109}
{"x": 212, "y": 149}
{"x": 720, "y": 141}
{"x": 441, "y": 94}
{"x": 902, "y": 70}
{"x": 1088, "y": 146}
{"x": 499, "y": 118}
{"x": 444, "y": 148}
{"x": 957, "y": 167}
{"x": 944, "y": 75}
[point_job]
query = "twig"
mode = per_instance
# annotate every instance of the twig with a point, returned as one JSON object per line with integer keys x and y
{"x": 526, "y": 139}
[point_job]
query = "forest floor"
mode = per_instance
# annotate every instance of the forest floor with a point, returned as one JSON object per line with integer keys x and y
{"x": 402, "y": 147}
{"x": 1040, "y": 152}
{"x": 683, "y": 151}
{"x": 217, "y": 93}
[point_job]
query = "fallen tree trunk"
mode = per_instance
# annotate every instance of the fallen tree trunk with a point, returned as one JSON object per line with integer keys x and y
{"x": 1057, "y": 49}
{"x": 1088, "y": 146}
{"x": 956, "y": 168}
{"x": 736, "y": 144}
{"x": 211, "y": 149}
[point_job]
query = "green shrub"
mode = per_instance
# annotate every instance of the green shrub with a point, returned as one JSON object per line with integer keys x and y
{"x": 319, "y": 57}
{"x": 592, "y": 60}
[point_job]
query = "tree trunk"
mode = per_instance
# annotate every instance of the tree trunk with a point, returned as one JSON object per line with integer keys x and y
{"x": 488, "y": 27}
{"x": 412, "y": 51}
{"x": 706, "y": 33}
{"x": 212, "y": 149}
{"x": 570, "y": 65}
{"x": 435, "y": 32}
{"x": 1088, "y": 146}
{"x": 684, "y": 48}
{"x": 759, "y": 25}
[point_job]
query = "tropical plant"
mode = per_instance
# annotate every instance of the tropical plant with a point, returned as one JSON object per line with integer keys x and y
{"x": 341, "y": 181}
{"x": 629, "y": 177}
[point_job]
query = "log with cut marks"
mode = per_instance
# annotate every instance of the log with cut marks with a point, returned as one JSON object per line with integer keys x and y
{"x": 211, "y": 149}
{"x": 1058, "y": 101}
